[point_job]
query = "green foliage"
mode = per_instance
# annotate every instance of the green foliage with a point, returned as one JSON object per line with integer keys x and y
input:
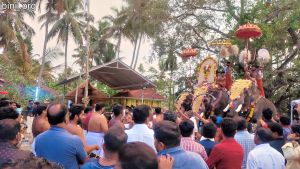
{"x": 104, "y": 88}
{"x": 196, "y": 23}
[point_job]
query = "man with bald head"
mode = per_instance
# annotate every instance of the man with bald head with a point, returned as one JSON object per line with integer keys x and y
{"x": 57, "y": 144}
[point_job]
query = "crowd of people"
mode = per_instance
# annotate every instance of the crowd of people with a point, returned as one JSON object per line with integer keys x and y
{"x": 144, "y": 138}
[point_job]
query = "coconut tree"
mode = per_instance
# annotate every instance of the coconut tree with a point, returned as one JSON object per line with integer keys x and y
{"x": 145, "y": 19}
{"x": 102, "y": 50}
{"x": 68, "y": 24}
{"x": 47, "y": 18}
{"x": 118, "y": 28}
{"x": 13, "y": 28}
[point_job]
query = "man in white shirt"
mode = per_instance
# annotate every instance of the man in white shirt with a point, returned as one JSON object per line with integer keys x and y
{"x": 263, "y": 155}
{"x": 140, "y": 131}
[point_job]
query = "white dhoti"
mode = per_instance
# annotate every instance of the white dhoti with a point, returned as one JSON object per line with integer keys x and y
{"x": 33, "y": 147}
{"x": 93, "y": 138}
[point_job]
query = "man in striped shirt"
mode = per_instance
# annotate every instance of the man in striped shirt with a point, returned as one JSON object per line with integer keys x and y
{"x": 187, "y": 143}
{"x": 244, "y": 138}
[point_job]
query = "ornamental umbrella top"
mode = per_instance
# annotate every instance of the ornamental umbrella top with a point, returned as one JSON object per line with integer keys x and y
{"x": 248, "y": 31}
{"x": 188, "y": 52}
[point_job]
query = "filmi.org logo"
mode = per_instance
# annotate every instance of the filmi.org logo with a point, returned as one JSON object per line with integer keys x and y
{"x": 17, "y": 5}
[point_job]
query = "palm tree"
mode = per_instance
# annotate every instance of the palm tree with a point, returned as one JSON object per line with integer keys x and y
{"x": 168, "y": 62}
{"x": 144, "y": 19}
{"x": 118, "y": 29}
{"x": 69, "y": 23}
{"x": 13, "y": 28}
{"x": 50, "y": 16}
{"x": 102, "y": 50}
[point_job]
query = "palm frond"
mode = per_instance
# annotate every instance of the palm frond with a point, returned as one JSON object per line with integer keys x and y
{"x": 60, "y": 24}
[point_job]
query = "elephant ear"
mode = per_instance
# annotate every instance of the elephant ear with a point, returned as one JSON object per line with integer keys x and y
{"x": 180, "y": 100}
{"x": 199, "y": 93}
{"x": 238, "y": 87}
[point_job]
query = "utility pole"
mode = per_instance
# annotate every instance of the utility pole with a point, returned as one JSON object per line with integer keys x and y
{"x": 87, "y": 10}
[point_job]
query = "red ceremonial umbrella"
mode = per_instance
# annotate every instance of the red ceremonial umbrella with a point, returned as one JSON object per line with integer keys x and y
{"x": 3, "y": 93}
{"x": 187, "y": 54}
{"x": 246, "y": 32}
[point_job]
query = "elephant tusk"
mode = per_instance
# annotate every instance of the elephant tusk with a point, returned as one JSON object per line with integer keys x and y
{"x": 239, "y": 108}
{"x": 226, "y": 108}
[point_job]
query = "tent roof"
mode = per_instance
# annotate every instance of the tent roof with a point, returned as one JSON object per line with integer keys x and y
{"x": 149, "y": 93}
{"x": 117, "y": 75}
{"x": 95, "y": 93}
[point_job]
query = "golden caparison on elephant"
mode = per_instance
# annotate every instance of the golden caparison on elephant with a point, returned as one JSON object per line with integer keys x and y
{"x": 245, "y": 100}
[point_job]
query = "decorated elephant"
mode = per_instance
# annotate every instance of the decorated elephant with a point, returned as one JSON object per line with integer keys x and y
{"x": 246, "y": 101}
{"x": 206, "y": 99}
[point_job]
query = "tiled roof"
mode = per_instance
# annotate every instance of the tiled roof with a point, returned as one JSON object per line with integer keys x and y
{"x": 93, "y": 92}
{"x": 149, "y": 93}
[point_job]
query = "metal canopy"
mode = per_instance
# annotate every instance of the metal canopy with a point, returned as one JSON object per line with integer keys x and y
{"x": 117, "y": 75}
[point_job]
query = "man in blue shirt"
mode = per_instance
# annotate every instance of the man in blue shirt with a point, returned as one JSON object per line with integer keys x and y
{"x": 57, "y": 144}
{"x": 209, "y": 131}
{"x": 167, "y": 141}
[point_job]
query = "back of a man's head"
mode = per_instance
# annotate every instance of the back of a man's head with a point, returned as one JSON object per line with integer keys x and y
{"x": 170, "y": 116}
{"x": 296, "y": 128}
{"x": 264, "y": 135}
{"x": 285, "y": 120}
{"x": 37, "y": 103}
{"x": 40, "y": 109}
{"x": 56, "y": 114}
{"x": 209, "y": 130}
{"x": 114, "y": 139}
{"x": 87, "y": 109}
{"x": 157, "y": 110}
{"x": 4, "y": 103}
{"x": 228, "y": 127}
{"x": 137, "y": 155}
{"x": 75, "y": 110}
{"x": 241, "y": 123}
{"x": 186, "y": 128}
{"x": 31, "y": 163}
{"x": 276, "y": 128}
{"x": 9, "y": 129}
{"x": 99, "y": 106}
{"x": 117, "y": 109}
{"x": 141, "y": 113}
{"x": 267, "y": 114}
{"x": 8, "y": 113}
{"x": 168, "y": 133}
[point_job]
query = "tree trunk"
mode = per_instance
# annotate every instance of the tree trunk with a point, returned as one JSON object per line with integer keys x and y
{"x": 242, "y": 18}
{"x": 118, "y": 46}
{"x": 173, "y": 90}
{"x": 66, "y": 52}
{"x": 43, "y": 60}
{"x": 133, "y": 55}
{"x": 138, "y": 51}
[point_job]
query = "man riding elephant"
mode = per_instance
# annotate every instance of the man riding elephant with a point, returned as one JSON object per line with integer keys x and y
{"x": 246, "y": 101}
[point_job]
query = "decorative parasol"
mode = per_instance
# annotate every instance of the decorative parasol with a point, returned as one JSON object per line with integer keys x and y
{"x": 225, "y": 46}
{"x": 187, "y": 54}
{"x": 3, "y": 93}
{"x": 246, "y": 32}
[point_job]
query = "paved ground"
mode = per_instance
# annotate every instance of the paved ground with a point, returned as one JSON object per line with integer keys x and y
{"x": 27, "y": 137}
